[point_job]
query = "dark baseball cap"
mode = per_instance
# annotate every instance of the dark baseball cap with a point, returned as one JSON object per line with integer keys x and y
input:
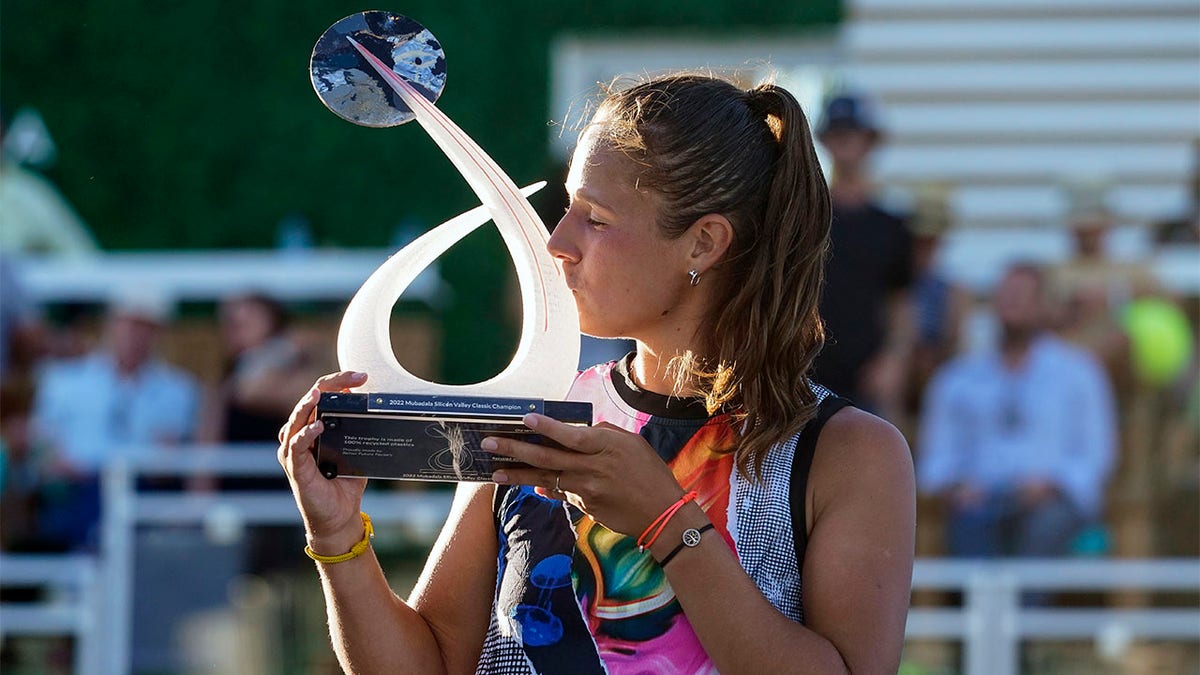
{"x": 849, "y": 111}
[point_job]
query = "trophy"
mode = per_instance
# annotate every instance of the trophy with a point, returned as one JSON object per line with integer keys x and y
{"x": 380, "y": 69}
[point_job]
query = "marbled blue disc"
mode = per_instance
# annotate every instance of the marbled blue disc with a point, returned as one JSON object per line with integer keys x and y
{"x": 348, "y": 85}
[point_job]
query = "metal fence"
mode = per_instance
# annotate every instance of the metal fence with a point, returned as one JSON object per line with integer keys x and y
{"x": 93, "y": 598}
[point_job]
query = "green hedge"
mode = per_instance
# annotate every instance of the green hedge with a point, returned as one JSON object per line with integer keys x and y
{"x": 192, "y": 124}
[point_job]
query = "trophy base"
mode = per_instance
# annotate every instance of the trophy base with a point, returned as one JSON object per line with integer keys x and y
{"x": 426, "y": 438}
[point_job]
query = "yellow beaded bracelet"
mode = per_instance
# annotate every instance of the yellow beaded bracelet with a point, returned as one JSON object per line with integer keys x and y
{"x": 355, "y": 550}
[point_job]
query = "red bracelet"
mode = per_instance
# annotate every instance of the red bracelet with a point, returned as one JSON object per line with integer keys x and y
{"x": 660, "y": 523}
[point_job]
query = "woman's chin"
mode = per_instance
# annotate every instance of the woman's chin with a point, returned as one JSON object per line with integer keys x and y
{"x": 598, "y": 330}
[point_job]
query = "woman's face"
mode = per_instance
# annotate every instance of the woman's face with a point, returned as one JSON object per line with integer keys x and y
{"x": 244, "y": 325}
{"x": 628, "y": 279}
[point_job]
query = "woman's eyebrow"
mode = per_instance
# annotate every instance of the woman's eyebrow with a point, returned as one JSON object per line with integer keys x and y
{"x": 590, "y": 198}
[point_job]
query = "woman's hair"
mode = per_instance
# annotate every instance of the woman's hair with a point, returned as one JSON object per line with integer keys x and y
{"x": 278, "y": 317}
{"x": 706, "y": 146}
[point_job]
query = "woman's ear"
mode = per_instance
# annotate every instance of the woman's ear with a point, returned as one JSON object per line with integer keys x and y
{"x": 711, "y": 235}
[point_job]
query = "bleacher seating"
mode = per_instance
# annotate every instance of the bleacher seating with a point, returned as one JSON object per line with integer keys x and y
{"x": 1006, "y": 97}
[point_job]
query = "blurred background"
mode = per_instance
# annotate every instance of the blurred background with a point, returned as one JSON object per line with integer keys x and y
{"x": 182, "y": 223}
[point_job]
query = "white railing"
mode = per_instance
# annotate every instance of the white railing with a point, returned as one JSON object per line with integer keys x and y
{"x": 125, "y": 508}
{"x": 70, "y": 604}
{"x": 990, "y": 624}
{"x": 992, "y": 621}
{"x": 973, "y": 257}
{"x": 209, "y": 275}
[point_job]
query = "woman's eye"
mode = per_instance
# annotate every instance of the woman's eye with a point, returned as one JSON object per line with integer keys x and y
{"x": 590, "y": 220}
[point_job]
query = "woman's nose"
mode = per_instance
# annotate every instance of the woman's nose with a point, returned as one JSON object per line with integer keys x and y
{"x": 560, "y": 245}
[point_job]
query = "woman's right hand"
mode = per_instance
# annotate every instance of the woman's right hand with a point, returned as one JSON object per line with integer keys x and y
{"x": 329, "y": 508}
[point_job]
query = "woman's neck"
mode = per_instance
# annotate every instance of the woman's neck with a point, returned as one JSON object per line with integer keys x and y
{"x": 651, "y": 371}
{"x": 674, "y": 335}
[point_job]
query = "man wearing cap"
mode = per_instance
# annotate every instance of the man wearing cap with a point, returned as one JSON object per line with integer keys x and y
{"x": 1091, "y": 286}
{"x": 117, "y": 400}
{"x": 868, "y": 318}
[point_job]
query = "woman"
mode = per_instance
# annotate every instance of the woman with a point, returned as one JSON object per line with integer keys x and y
{"x": 698, "y": 223}
{"x": 266, "y": 368}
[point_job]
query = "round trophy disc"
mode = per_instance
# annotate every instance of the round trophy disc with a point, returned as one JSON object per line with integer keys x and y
{"x": 348, "y": 85}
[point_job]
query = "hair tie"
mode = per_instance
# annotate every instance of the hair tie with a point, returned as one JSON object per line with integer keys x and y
{"x": 763, "y": 101}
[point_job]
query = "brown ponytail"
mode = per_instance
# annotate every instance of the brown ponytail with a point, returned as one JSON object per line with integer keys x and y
{"x": 709, "y": 147}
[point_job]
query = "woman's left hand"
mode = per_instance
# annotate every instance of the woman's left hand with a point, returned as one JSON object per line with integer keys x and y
{"x": 611, "y": 474}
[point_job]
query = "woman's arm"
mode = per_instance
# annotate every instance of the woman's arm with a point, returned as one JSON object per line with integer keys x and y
{"x": 374, "y": 631}
{"x": 857, "y": 575}
{"x": 858, "y": 566}
{"x": 441, "y": 628}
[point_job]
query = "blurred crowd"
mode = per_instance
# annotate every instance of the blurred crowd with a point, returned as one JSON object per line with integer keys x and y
{"x": 1057, "y": 414}
{"x": 74, "y": 402}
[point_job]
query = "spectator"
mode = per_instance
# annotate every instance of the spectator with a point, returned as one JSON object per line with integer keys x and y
{"x": 1092, "y": 286}
{"x": 266, "y": 370}
{"x": 19, "y": 475}
{"x": 21, "y": 330}
{"x": 939, "y": 304}
{"x": 115, "y": 400}
{"x": 1019, "y": 441}
{"x": 866, "y": 304}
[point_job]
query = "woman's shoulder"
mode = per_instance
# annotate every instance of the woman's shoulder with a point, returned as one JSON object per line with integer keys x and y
{"x": 861, "y": 456}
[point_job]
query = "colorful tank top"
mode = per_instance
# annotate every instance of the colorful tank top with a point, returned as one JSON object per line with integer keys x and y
{"x": 575, "y": 597}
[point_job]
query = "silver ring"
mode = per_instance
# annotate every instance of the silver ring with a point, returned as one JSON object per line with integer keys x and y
{"x": 557, "y": 478}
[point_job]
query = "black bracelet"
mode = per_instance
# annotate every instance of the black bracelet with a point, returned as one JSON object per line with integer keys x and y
{"x": 691, "y": 539}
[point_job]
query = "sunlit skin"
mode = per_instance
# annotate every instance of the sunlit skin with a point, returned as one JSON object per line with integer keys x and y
{"x": 612, "y": 252}
{"x": 628, "y": 278}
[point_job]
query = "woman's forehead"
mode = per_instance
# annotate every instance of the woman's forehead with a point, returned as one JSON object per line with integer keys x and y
{"x": 609, "y": 180}
{"x": 597, "y": 166}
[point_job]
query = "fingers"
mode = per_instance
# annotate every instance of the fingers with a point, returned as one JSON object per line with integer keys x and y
{"x": 540, "y": 456}
{"x": 341, "y": 381}
{"x": 295, "y": 450}
{"x": 580, "y": 439}
{"x": 300, "y": 415}
{"x": 303, "y": 412}
{"x": 545, "y": 481}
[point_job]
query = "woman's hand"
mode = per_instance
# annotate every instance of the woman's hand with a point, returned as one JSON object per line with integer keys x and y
{"x": 611, "y": 474}
{"x": 329, "y": 507}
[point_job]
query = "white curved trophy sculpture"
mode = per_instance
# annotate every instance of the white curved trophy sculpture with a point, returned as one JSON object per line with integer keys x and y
{"x": 546, "y": 357}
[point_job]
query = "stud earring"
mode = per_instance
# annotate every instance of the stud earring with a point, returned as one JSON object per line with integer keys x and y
{"x": 695, "y": 277}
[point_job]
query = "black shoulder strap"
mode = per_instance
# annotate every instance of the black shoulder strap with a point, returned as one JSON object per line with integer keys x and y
{"x": 806, "y": 447}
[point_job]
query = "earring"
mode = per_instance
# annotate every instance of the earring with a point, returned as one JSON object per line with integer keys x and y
{"x": 695, "y": 277}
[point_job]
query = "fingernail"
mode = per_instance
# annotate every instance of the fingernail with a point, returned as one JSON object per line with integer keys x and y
{"x": 315, "y": 426}
{"x": 531, "y": 420}
{"x": 358, "y": 375}
{"x": 489, "y": 444}
{"x": 499, "y": 477}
